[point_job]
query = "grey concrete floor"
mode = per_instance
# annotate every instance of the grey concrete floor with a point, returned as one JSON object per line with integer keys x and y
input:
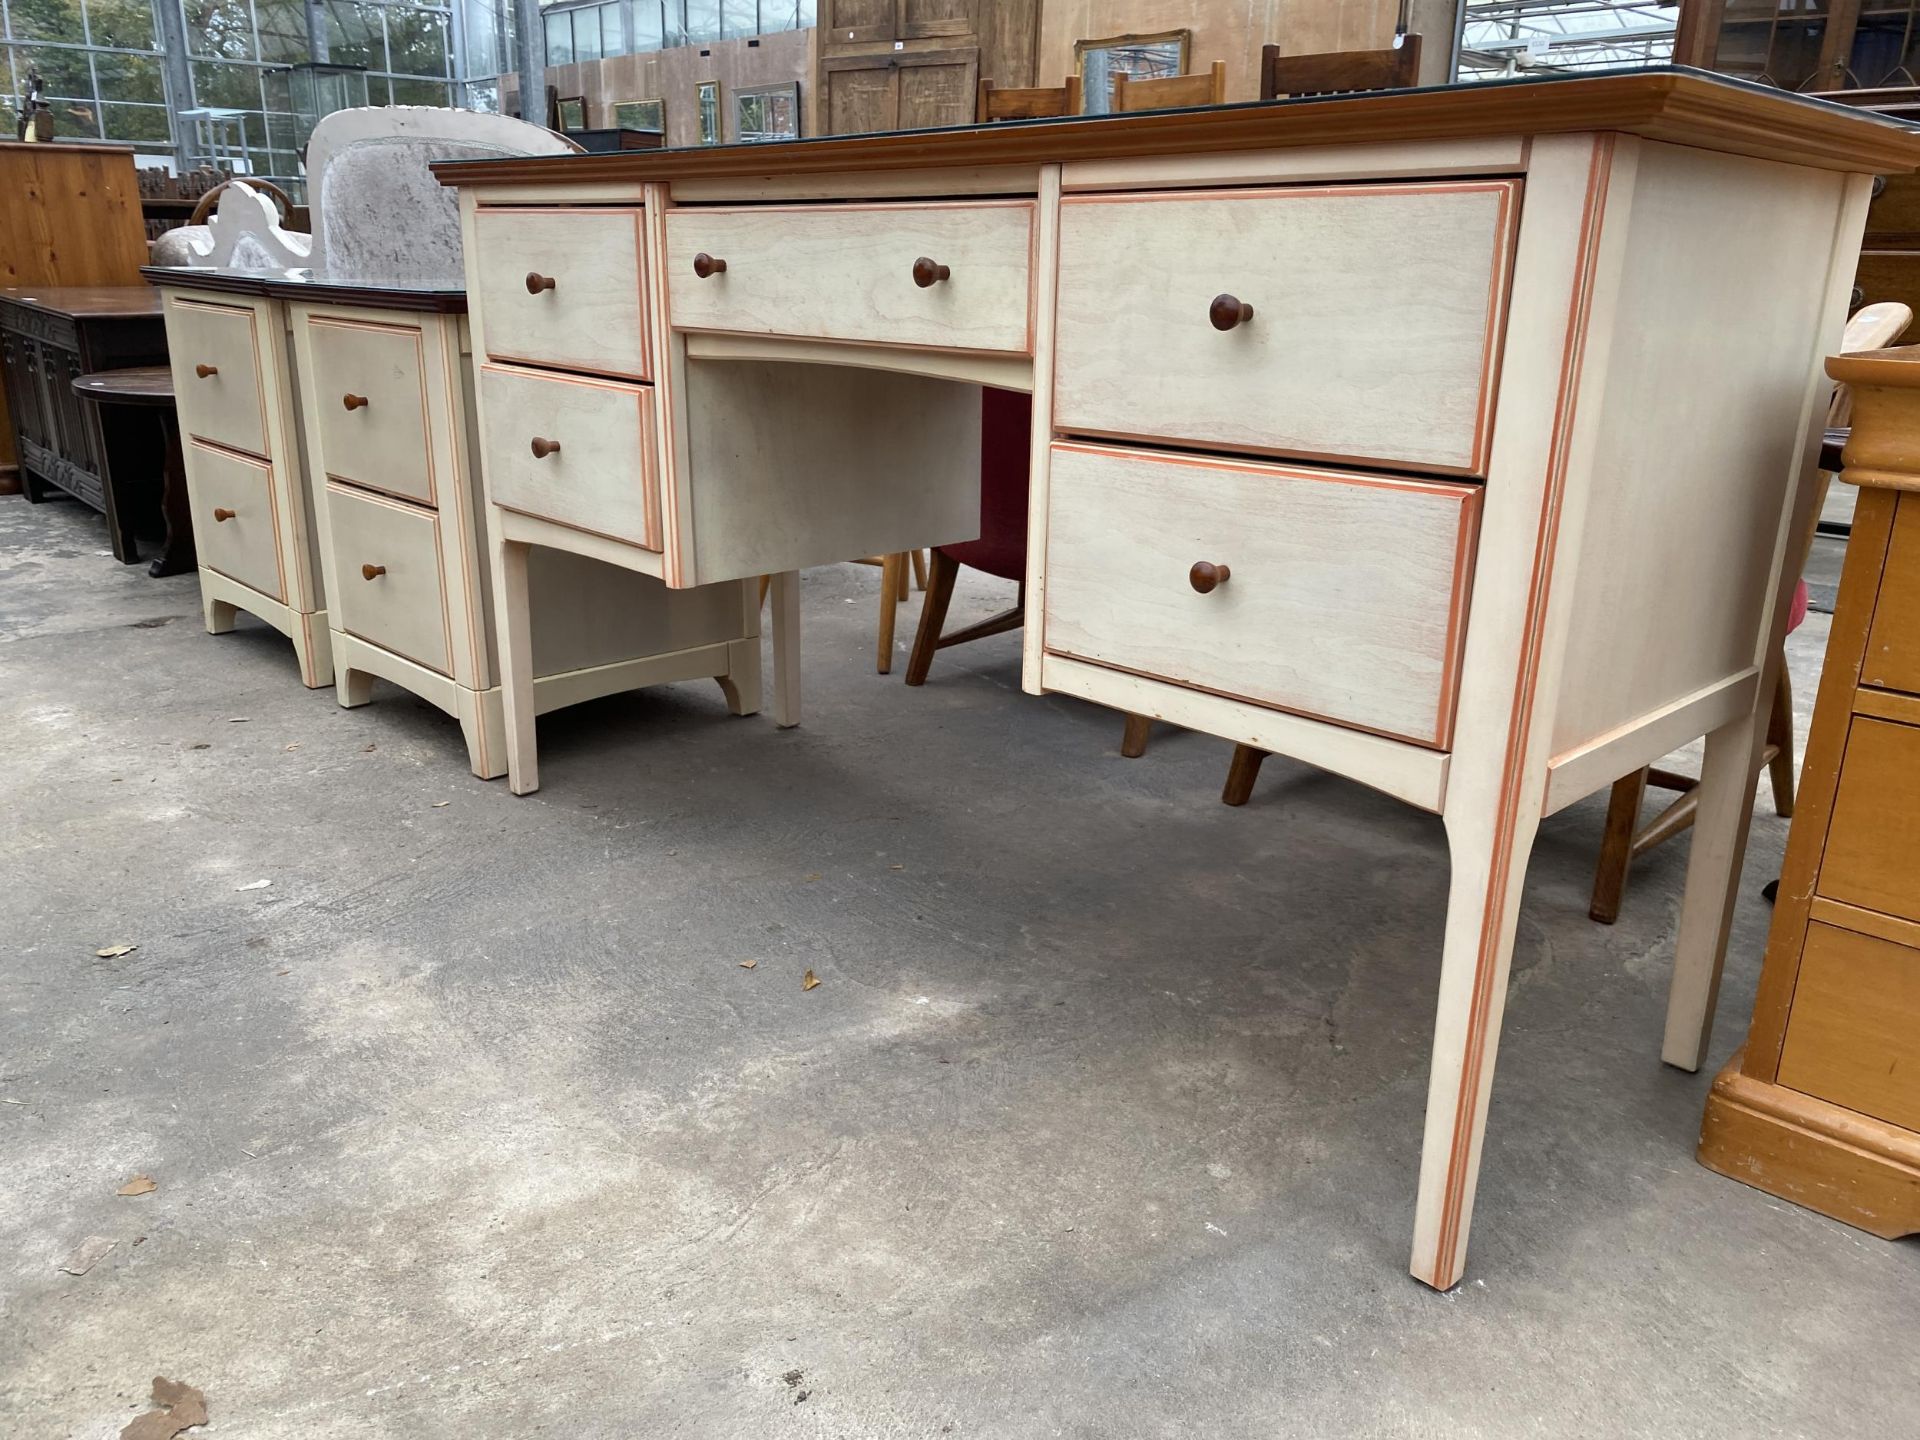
{"x": 1102, "y": 1122}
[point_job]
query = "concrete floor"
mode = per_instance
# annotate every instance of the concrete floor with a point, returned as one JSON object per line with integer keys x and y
{"x": 1102, "y": 1122}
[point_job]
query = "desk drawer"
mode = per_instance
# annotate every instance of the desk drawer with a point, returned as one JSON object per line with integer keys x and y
{"x": 390, "y": 576}
{"x": 236, "y": 524}
{"x": 1374, "y": 337}
{"x": 215, "y": 351}
{"x": 1853, "y": 1035}
{"x": 1872, "y": 855}
{"x": 601, "y": 477}
{"x": 370, "y": 392}
{"x": 1893, "y": 645}
{"x": 593, "y": 316}
{"x": 848, "y": 272}
{"x": 1345, "y": 598}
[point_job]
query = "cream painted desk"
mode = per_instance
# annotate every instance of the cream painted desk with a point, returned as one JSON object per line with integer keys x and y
{"x": 1450, "y": 440}
{"x": 329, "y": 452}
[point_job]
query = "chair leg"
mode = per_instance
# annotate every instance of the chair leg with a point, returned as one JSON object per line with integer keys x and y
{"x": 919, "y": 558}
{"x": 1616, "y": 847}
{"x": 933, "y": 616}
{"x": 900, "y": 570}
{"x": 1780, "y": 738}
{"x": 892, "y": 577}
{"x": 1133, "y": 738}
{"x": 1241, "y": 774}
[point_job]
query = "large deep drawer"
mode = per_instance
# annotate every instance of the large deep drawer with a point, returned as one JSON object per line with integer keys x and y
{"x": 1335, "y": 595}
{"x": 1371, "y": 330}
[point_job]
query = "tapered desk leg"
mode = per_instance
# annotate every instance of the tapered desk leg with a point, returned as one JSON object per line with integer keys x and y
{"x": 1489, "y": 855}
{"x": 1713, "y": 875}
{"x": 786, "y": 648}
{"x": 512, "y": 623}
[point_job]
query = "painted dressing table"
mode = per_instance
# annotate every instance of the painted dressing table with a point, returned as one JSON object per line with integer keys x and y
{"x": 1456, "y": 397}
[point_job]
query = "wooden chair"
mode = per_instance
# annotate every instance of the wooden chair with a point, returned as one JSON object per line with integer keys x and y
{"x": 1171, "y": 92}
{"x": 1006, "y": 423}
{"x": 1624, "y": 838}
{"x": 1033, "y": 102}
{"x": 1339, "y": 72}
{"x": 893, "y": 594}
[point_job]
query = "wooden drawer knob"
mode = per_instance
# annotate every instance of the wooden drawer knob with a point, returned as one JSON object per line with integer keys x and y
{"x": 221, "y": 515}
{"x": 354, "y": 402}
{"x": 927, "y": 273}
{"x": 372, "y": 572}
{"x": 204, "y": 371}
{"x": 544, "y": 448}
{"x": 536, "y": 282}
{"x": 707, "y": 266}
{"x": 1227, "y": 311}
{"x": 1205, "y": 575}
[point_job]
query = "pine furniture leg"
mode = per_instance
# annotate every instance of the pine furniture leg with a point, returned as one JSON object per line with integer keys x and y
{"x": 1489, "y": 869}
{"x": 484, "y": 730}
{"x": 786, "y": 649}
{"x": 1780, "y": 741}
{"x": 893, "y": 575}
{"x": 313, "y": 647}
{"x": 933, "y": 616}
{"x": 919, "y": 558}
{"x": 218, "y": 614}
{"x": 1133, "y": 736}
{"x": 512, "y": 620}
{"x": 901, "y": 591}
{"x": 1241, "y": 775}
{"x": 1616, "y": 847}
{"x": 1726, "y": 794}
{"x": 352, "y": 688}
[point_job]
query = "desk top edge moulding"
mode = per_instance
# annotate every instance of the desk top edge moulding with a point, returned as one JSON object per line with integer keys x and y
{"x": 733, "y": 354}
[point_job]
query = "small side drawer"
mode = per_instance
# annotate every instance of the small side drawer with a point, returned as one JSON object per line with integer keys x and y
{"x": 1354, "y": 323}
{"x": 1872, "y": 855}
{"x": 593, "y": 465}
{"x": 236, "y": 525}
{"x": 1345, "y": 596}
{"x": 215, "y": 352}
{"x": 562, "y": 286}
{"x": 1853, "y": 1035}
{"x": 390, "y": 576}
{"x": 369, "y": 384}
{"x": 855, "y": 273}
{"x": 1893, "y": 645}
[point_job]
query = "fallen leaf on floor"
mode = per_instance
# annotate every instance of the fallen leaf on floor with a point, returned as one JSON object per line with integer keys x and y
{"x": 809, "y": 980}
{"x": 794, "y": 1377}
{"x": 368, "y": 749}
{"x": 181, "y": 1407}
{"x": 114, "y": 952}
{"x": 202, "y": 745}
{"x": 283, "y": 972}
{"x": 238, "y": 719}
{"x": 138, "y": 1185}
{"x": 748, "y": 964}
{"x": 255, "y": 885}
{"x": 12, "y": 1102}
{"x": 896, "y": 867}
{"x": 139, "y": 1239}
{"x": 441, "y": 804}
{"x": 811, "y": 876}
{"x": 87, "y": 1254}
{"x": 294, "y": 746}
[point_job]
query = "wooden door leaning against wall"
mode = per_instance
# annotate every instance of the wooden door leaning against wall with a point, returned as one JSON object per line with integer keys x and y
{"x": 915, "y": 90}
{"x": 913, "y": 64}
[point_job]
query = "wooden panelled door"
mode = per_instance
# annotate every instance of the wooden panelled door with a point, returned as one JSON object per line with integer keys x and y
{"x": 898, "y": 64}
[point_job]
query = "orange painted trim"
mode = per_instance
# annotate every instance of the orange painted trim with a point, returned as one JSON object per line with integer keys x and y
{"x": 1445, "y": 1268}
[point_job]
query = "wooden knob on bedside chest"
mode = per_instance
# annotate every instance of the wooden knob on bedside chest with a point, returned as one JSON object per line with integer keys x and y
{"x": 372, "y": 572}
{"x": 1205, "y": 575}
{"x": 203, "y": 371}
{"x": 221, "y": 515}
{"x": 354, "y": 402}
{"x": 928, "y": 272}
{"x": 544, "y": 448}
{"x": 1227, "y": 311}
{"x": 707, "y": 266}
{"x": 536, "y": 282}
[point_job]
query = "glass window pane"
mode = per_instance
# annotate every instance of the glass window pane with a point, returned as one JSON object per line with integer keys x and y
{"x": 125, "y": 23}
{"x": 230, "y": 87}
{"x": 703, "y": 21}
{"x": 65, "y": 73}
{"x": 47, "y": 20}
{"x": 559, "y": 39}
{"x": 647, "y": 31}
{"x": 673, "y": 14}
{"x": 141, "y": 124}
{"x": 355, "y": 35}
{"x": 130, "y": 77}
{"x": 220, "y": 29}
{"x": 416, "y": 42}
{"x": 421, "y": 92}
{"x": 739, "y": 18}
{"x": 586, "y": 34}
{"x": 283, "y": 30}
{"x": 613, "y": 39}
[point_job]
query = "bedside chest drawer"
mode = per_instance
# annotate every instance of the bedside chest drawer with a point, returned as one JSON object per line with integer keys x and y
{"x": 1893, "y": 645}
{"x": 1853, "y": 1035}
{"x": 1344, "y": 598}
{"x": 853, "y": 273}
{"x": 563, "y": 286}
{"x": 235, "y": 520}
{"x": 371, "y": 389}
{"x": 1872, "y": 854}
{"x": 1377, "y": 313}
{"x": 216, "y": 374}
{"x": 388, "y": 570}
{"x": 600, "y": 478}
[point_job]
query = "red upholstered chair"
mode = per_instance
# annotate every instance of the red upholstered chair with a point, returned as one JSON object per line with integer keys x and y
{"x": 1006, "y": 422}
